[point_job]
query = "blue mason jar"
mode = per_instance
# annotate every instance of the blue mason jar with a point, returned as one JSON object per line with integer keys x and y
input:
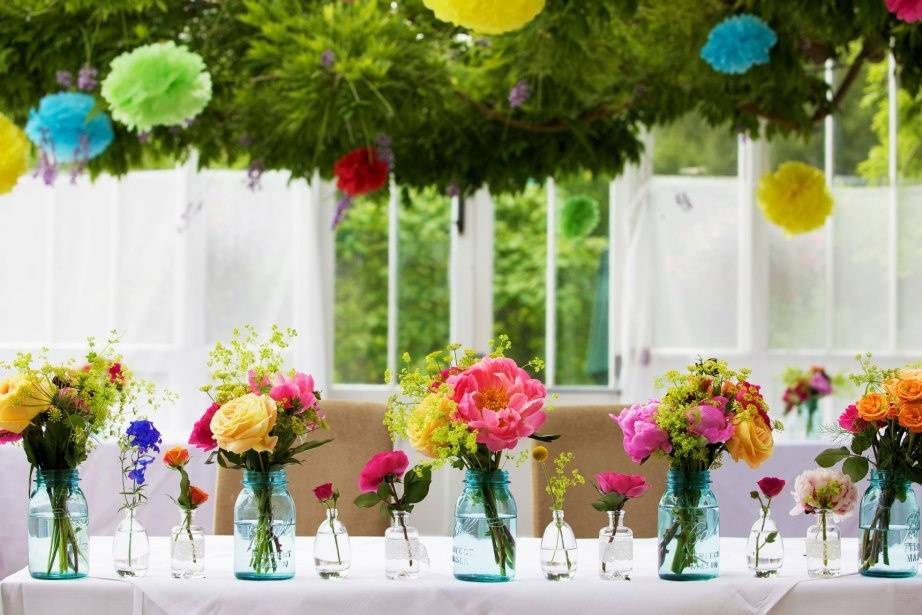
{"x": 688, "y": 528}
{"x": 484, "y": 535}
{"x": 264, "y": 528}
{"x": 59, "y": 542}
{"x": 889, "y": 527}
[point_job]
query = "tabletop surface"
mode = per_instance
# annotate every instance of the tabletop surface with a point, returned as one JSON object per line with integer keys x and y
{"x": 367, "y": 591}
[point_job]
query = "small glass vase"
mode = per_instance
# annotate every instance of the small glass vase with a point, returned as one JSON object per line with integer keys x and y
{"x": 559, "y": 554}
{"x": 483, "y": 549}
{"x": 765, "y": 549}
{"x": 688, "y": 528}
{"x": 332, "y": 553}
{"x": 130, "y": 547}
{"x": 824, "y": 547}
{"x": 404, "y": 554}
{"x": 616, "y": 549}
{"x": 888, "y": 527}
{"x": 58, "y": 526}
{"x": 808, "y": 411}
{"x": 264, "y": 528}
{"x": 187, "y": 548}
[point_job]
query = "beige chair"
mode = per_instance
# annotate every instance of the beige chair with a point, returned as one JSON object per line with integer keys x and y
{"x": 358, "y": 433}
{"x": 595, "y": 441}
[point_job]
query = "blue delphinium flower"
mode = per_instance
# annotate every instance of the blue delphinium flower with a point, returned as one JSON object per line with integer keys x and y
{"x": 144, "y": 435}
{"x": 69, "y": 127}
{"x": 738, "y": 43}
{"x": 142, "y": 441}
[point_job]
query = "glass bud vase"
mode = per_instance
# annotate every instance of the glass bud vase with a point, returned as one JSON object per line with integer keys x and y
{"x": 888, "y": 527}
{"x": 688, "y": 528}
{"x": 332, "y": 554}
{"x": 483, "y": 549}
{"x": 130, "y": 546}
{"x": 765, "y": 549}
{"x": 404, "y": 554}
{"x": 58, "y": 526}
{"x": 824, "y": 547}
{"x": 559, "y": 553}
{"x": 616, "y": 549}
{"x": 264, "y": 528}
{"x": 187, "y": 548}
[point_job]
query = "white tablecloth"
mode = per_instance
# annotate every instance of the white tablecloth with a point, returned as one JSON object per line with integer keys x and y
{"x": 436, "y": 591}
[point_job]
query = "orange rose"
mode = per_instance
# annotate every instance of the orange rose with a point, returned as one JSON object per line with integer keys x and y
{"x": 909, "y": 390}
{"x": 752, "y": 439}
{"x": 176, "y": 457}
{"x": 911, "y": 417}
{"x": 873, "y": 407}
{"x": 197, "y": 495}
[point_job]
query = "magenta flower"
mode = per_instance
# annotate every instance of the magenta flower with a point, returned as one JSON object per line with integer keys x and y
{"x": 9, "y": 436}
{"x": 711, "y": 422}
{"x": 628, "y": 485}
{"x": 819, "y": 382}
{"x": 851, "y": 421}
{"x": 770, "y": 486}
{"x": 201, "y": 436}
{"x": 909, "y": 11}
{"x": 323, "y": 492}
{"x": 641, "y": 434}
{"x": 258, "y": 384}
{"x": 499, "y": 400}
{"x": 294, "y": 392}
{"x": 391, "y": 464}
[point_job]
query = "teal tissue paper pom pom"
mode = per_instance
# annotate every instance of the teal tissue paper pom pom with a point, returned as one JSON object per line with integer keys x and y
{"x": 738, "y": 43}
{"x": 579, "y": 216}
{"x": 69, "y": 127}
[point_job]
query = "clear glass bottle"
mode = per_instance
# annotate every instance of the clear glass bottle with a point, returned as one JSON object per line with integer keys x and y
{"x": 688, "y": 528}
{"x": 264, "y": 528}
{"x": 616, "y": 548}
{"x": 483, "y": 549}
{"x": 187, "y": 548}
{"x": 404, "y": 554}
{"x": 332, "y": 553}
{"x": 58, "y": 522}
{"x": 765, "y": 549}
{"x": 130, "y": 546}
{"x": 888, "y": 527}
{"x": 824, "y": 547}
{"x": 559, "y": 554}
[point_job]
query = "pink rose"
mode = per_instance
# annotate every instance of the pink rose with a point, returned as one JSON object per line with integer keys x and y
{"x": 9, "y": 436}
{"x": 381, "y": 466}
{"x": 500, "y": 401}
{"x": 908, "y": 10}
{"x": 710, "y": 422}
{"x": 851, "y": 421}
{"x": 641, "y": 434}
{"x": 628, "y": 485}
{"x": 201, "y": 436}
{"x": 294, "y": 392}
{"x": 770, "y": 486}
{"x": 324, "y": 492}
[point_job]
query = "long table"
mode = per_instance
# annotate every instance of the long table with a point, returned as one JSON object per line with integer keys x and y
{"x": 437, "y": 592}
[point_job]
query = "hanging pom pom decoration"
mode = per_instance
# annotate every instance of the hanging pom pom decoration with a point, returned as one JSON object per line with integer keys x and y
{"x": 14, "y": 154}
{"x": 487, "y": 16}
{"x": 361, "y": 171}
{"x": 738, "y": 43}
{"x": 909, "y": 11}
{"x": 795, "y": 197}
{"x": 162, "y": 84}
{"x": 579, "y": 216}
{"x": 68, "y": 129}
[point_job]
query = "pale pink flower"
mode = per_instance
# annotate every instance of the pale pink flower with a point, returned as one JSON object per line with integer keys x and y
{"x": 641, "y": 434}
{"x": 824, "y": 489}
{"x": 499, "y": 400}
{"x": 258, "y": 384}
{"x": 294, "y": 391}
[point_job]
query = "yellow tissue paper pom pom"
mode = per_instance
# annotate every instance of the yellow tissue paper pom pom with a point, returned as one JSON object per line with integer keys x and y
{"x": 14, "y": 154}
{"x": 795, "y": 197}
{"x": 487, "y": 16}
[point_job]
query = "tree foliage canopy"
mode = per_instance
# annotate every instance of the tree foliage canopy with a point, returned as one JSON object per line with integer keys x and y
{"x": 600, "y": 71}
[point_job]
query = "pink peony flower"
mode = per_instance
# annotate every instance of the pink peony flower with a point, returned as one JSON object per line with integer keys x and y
{"x": 710, "y": 421}
{"x": 770, "y": 486}
{"x": 9, "y": 436}
{"x": 324, "y": 492}
{"x": 256, "y": 383}
{"x": 824, "y": 489}
{"x": 289, "y": 390}
{"x": 499, "y": 400}
{"x": 641, "y": 434}
{"x": 628, "y": 485}
{"x": 201, "y": 436}
{"x": 851, "y": 421}
{"x": 379, "y": 467}
{"x": 819, "y": 382}
{"x": 908, "y": 10}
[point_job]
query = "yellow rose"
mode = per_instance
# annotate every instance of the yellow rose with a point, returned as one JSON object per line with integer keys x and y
{"x": 752, "y": 440}
{"x": 243, "y": 424}
{"x": 910, "y": 374}
{"x": 433, "y": 412}
{"x": 20, "y": 402}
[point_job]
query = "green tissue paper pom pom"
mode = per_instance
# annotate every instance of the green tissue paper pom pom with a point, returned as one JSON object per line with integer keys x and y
{"x": 162, "y": 84}
{"x": 579, "y": 216}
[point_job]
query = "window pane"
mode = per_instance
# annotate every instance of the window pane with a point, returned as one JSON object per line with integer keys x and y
{"x": 798, "y": 149}
{"x": 796, "y": 289}
{"x": 910, "y": 268}
{"x": 520, "y": 250}
{"x": 909, "y": 138}
{"x": 582, "y": 288}
{"x": 423, "y": 316}
{"x": 360, "y": 313}
{"x": 855, "y": 124}
{"x": 689, "y": 146}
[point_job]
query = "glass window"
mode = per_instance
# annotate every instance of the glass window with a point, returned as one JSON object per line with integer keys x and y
{"x": 689, "y": 146}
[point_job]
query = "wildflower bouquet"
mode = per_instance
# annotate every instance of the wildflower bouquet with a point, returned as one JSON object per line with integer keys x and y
{"x": 465, "y": 411}
{"x": 884, "y": 427}
{"x": 804, "y": 390}
{"x": 260, "y": 420}
{"x": 557, "y": 485}
{"x": 705, "y": 412}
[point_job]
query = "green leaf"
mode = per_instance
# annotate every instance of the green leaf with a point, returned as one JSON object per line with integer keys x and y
{"x": 308, "y": 446}
{"x": 541, "y": 438}
{"x": 384, "y": 492}
{"x": 860, "y": 443}
{"x": 771, "y": 537}
{"x": 416, "y": 487}
{"x": 832, "y": 456}
{"x": 367, "y": 500}
{"x": 856, "y": 468}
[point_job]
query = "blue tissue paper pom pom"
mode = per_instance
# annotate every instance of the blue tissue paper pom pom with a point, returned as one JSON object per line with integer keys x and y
{"x": 738, "y": 43}
{"x": 66, "y": 126}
